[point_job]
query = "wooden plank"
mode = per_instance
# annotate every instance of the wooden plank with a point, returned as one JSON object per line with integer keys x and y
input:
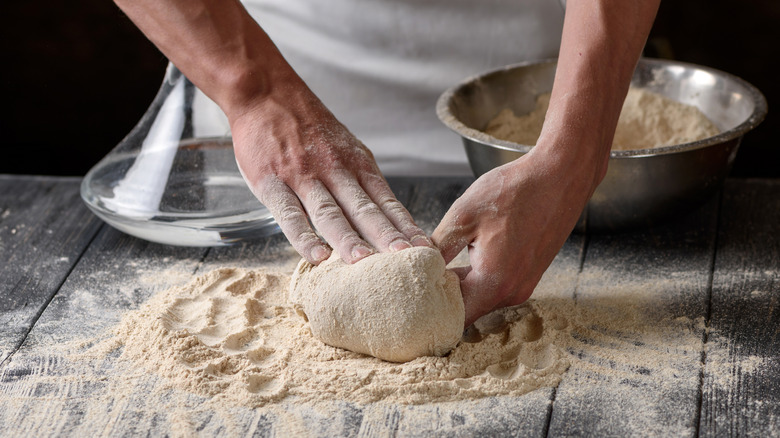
{"x": 44, "y": 393}
{"x": 116, "y": 274}
{"x": 642, "y": 297}
{"x": 402, "y": 188}
{"x": 432, "y": 197}
{"x": 44, "y": 228}
{"x": 741, "y": 394}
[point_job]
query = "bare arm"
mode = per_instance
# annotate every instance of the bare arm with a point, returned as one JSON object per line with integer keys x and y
{"x": 295, "y": 156}
{"x": 515, "y": 218}
{"x": 218, "y": 46}
{"x": 601, "y": 44}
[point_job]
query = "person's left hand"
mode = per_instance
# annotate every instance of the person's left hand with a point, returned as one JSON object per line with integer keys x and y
{"x": 514, "y": 220}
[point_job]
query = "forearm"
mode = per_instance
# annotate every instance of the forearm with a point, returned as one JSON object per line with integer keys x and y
{"x": 602, "y": 41}
{"x": 217, "y": 45}
{"x": 295, "y": 156}
{"x": 515, "y": 218}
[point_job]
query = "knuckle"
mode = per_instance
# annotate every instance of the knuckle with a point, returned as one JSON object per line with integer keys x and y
{"x": 306, "y": 240}
{"x": 326, "y": 211}
{"x": 388, "y": 234}
{"x": 401, "y": 217}
{"x": 393, "y": 206}
{"x": 366, "y": 208}
{"x": 350, "y": 240}
{"x": 414, "y": 232}
{"x": 290, "y": 214}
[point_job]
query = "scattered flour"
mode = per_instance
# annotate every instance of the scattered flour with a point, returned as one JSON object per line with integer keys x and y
{"x": 173, "y": 368}
{"x": 647, "y": 120}
{"x": 232, "y": 335}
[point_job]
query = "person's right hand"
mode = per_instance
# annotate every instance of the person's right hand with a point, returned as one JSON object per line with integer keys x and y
{"x": 295, "y": 156}
{"x": 304, "y": 165}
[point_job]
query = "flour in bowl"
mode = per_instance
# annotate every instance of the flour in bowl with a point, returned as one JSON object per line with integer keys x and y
{"x": 647, "y": 120}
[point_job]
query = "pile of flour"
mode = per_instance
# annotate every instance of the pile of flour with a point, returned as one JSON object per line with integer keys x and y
{"x": 647, "y": 120}
{"x": 232, "y": 336}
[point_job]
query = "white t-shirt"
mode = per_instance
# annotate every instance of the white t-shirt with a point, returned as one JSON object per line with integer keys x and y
{"x": 380, "y": 65}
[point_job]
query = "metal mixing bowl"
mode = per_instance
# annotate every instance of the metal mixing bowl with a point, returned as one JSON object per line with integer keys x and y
{"x": 642, "y": 187}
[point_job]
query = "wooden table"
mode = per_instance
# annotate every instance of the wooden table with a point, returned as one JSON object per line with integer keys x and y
{"x": 719, "y": 265}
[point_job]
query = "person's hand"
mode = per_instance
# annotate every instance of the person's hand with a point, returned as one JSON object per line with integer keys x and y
{"x": 513, "y": 219}
{"x": 299, "y": 161}
{"x": 307, "y": 168}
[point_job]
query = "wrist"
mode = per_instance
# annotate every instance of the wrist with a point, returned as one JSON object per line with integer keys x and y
{"x": 576, "y": 166}
{"x": 575, "y": 148}
{"x": 252, "y": 85}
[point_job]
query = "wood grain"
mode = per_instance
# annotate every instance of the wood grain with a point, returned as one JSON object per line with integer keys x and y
{"x": 741, "y": 393}
{"x": 704, "y": 269}
{"x": 641, "y": 377}
{"x": 44, "y": 228}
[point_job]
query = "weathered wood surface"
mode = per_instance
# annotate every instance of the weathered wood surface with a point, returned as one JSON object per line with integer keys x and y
{"x": 741, "y": 391}
{"x": 44, "y": 229}
{"x": 662, "y": 274}
{"x": 719, "y": 266}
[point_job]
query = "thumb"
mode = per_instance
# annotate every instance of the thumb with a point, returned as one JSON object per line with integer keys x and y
{"x": 478, "y": 288}
{"x": 453, "y": 233}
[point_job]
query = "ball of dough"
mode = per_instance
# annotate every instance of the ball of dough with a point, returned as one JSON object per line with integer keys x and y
{"x": 394, "y": 306}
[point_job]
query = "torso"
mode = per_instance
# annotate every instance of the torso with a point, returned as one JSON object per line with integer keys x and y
{"x": 380, "y": 65}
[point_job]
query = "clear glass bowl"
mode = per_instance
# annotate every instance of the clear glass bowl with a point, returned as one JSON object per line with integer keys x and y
{"x": 174, "y": 178}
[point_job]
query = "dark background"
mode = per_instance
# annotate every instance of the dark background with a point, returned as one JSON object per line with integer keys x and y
{"x": 77, "y": 76}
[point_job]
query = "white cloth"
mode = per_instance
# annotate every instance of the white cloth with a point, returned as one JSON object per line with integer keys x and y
{"x": 380, "y": 65}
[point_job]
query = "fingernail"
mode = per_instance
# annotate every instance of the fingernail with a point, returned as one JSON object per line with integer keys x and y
{"x": 399, "y": 245}
{"x": 421, "y": 240}
{"x": 319, "y": 253}
{"x": 360, "y": 252}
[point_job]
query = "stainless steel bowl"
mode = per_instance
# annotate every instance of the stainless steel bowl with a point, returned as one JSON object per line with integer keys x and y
{"x": 642, "y": 187}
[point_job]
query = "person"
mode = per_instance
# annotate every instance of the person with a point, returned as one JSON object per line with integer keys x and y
{"x": 377, "y": 63}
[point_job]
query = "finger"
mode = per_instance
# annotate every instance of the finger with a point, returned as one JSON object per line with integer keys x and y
{"x": 454, "y": 232}
{"x": 285, "y": 207}
{"x": 329, "y": 219}
{"x": 481, "y": 286}
{"x": 479, "y": 290}
{"x": 365, "y": 215}
{"x": 378, "y": 189}
{"x": 476, "y": 302}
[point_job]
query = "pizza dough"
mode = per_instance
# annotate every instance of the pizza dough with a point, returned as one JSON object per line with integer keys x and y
{"x": 394, "y": 306}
